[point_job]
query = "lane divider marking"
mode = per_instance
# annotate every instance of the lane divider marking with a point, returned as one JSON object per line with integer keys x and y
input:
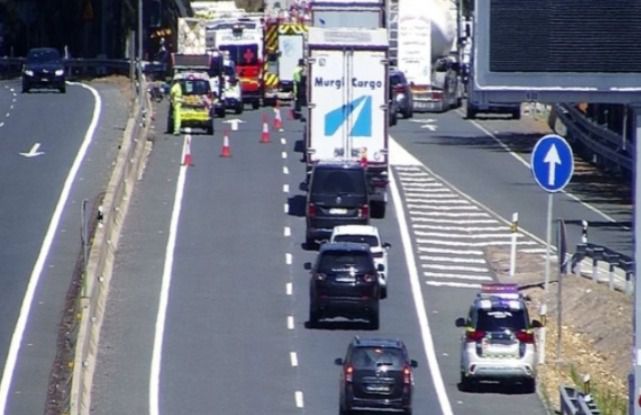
{"x": 290, "y": 322}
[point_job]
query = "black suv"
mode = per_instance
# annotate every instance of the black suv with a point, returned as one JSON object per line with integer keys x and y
{"x": 337, "y": 195}
{"x": 344, "y": 283}
{"x": 377, "y": 374}
{"x": 43, "y": 68}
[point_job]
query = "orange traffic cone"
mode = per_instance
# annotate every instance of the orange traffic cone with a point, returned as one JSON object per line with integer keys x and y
{"x": 264, "y": 135}
{"x": 226, "y": 150}
{"x": 278, "y": 121}
{"x": 187, "y": 159}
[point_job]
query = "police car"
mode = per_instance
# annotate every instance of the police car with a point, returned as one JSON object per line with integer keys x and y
{"x": 498, "y": 342}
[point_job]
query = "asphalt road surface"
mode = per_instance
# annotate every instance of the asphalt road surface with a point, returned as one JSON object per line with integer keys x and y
{"x": 209, "y": 298}
{"x": 44, "y": 135}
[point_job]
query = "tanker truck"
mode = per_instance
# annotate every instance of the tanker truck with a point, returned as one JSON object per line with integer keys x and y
{"x": 425, "y": 35}
{"x": 422, "y": 42}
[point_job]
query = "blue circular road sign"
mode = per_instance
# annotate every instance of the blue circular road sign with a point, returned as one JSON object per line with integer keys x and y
{"x": 552, "y": 163}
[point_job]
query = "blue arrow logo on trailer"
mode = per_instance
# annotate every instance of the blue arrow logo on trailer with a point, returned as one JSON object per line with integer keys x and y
{"x": 362, "y": 126}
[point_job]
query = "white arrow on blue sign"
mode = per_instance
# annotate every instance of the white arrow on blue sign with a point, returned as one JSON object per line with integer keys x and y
{"x": 552, "y": 163}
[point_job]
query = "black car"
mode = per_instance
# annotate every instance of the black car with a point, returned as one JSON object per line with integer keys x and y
{"x": 43, "y": 68}
{"x": 336, "y": 195}
{"x": 377, "y": 375}
{"x": 344, "y": 283}
{"x": 402, "y": 93}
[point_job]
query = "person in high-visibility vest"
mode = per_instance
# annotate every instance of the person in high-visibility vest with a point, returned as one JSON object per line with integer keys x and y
{"x": 176, "y": 94}
{"x": 299, "y": 86}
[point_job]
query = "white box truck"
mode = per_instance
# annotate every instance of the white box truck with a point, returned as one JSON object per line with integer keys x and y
{"x": 348, "y": 95}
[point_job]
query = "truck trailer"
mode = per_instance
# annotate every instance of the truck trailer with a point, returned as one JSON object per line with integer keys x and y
{"x": 348, "y": 107}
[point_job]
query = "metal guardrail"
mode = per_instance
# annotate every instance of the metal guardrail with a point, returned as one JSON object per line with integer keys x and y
{"x": 605, "y": 144}
{"x": 574, "y": 402}
{"x": 599, "y": 253}
{"x": 78, "y": 68}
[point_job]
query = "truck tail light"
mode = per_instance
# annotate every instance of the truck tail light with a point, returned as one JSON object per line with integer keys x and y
{"x": 368, "y": 278}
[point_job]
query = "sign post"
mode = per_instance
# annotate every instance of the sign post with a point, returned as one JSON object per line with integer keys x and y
{"x": 552, "y": 165}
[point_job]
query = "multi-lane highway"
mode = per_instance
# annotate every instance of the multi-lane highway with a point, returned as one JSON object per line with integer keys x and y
{"x": 209, "y": 299}
{"x": 55, "y": 151}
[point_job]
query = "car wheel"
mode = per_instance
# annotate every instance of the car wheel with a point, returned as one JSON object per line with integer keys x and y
{"x": 378, "y": 209}
{"x": 393, "y": 119}
{"x": 344, "y": 412}
{"x": 408, "y": 412}
{"x": 516, "y": 114}
{"x": 529, "y": 386}
{"x": 239, "y": 108}
{"x": 63, "y": 89}
{"x": 374, "y": 318}
{"x": 220, "y": 112}
{"x": 314, "y": 316}
{"x": 25, "y": 88}
{"x": 408, "y": 112}
{"x": 210, "y": 128}
{"x": 465, "y": 383}
{"x": 471, "y": 112}
{"x": 384, "y": 292}
{"x": 256, "y": 104}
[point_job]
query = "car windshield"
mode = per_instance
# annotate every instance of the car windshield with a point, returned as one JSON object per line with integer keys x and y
{"x": 335, "y": 262}
{"x": 43, "y": 55}
{"x": 501, "y": 319}
{"x": 195, "y": 87}
{"x": 373, "y": 357}
{"x": 338, "y": 182}
{"x": 371, "y": 240}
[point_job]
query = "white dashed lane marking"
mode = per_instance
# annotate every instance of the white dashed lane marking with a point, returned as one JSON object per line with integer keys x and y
{"x": 293, "y": 358}
{"x": 289, "y": 288}
{"x": 287, "y": 231}
{"x": 288, "y": 259}
{"x": 298, "y": 397}
{"x": 285, "y": 170}
{"x": 290, "y": 322}
{"x": 286, "y": 188}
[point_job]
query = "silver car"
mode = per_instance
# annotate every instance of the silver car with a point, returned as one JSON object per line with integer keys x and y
{"x": 498, "y": 343}
{"x": 366, "y": 234}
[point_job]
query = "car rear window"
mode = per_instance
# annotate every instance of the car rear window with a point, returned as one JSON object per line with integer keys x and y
{"x": 363, "y": 239}
{"x": 499, "y": 319}
{"x": 340, "y": 261}
{"x": 372, "y": 357}
{"x": 396, "y": 79}
{"x": 338, "y": 182}
{"x": 195, "y": 87}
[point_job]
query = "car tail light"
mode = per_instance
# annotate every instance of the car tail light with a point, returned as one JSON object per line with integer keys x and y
{"x": 407, "y": 375}
{"x": 474, "y": 335}
{"x": 320, "y": 276}
{"x": 379, "y": 182}
{"x": 398, "y": 88}
{"x": 311, "y": 210}
{"x": 368, "y": 278}
{"x": 525, "y": 337}
{"x": 349, "y": 373}
{"x": 363, "y": 212}
{"x": 437, "y": 95}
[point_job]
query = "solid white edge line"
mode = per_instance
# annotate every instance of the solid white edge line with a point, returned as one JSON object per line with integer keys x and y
{"x": 526, "y": 164}
{"x": 25, "y": 308}
{"x": 298, "y": 397}
{"x": 293, "y": 357}
{"x": 156, "y": 359}
{"x": 419, "y": 302}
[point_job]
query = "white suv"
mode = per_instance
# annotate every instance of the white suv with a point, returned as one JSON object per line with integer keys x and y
{"x": 366, "y": 234}
{"x": 498, "y": 342}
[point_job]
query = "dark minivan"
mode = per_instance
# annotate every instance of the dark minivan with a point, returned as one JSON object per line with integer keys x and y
{"x": 336, "y": 195}
{"x": 344, "y": 283}
{"x": 377, "y": 374}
